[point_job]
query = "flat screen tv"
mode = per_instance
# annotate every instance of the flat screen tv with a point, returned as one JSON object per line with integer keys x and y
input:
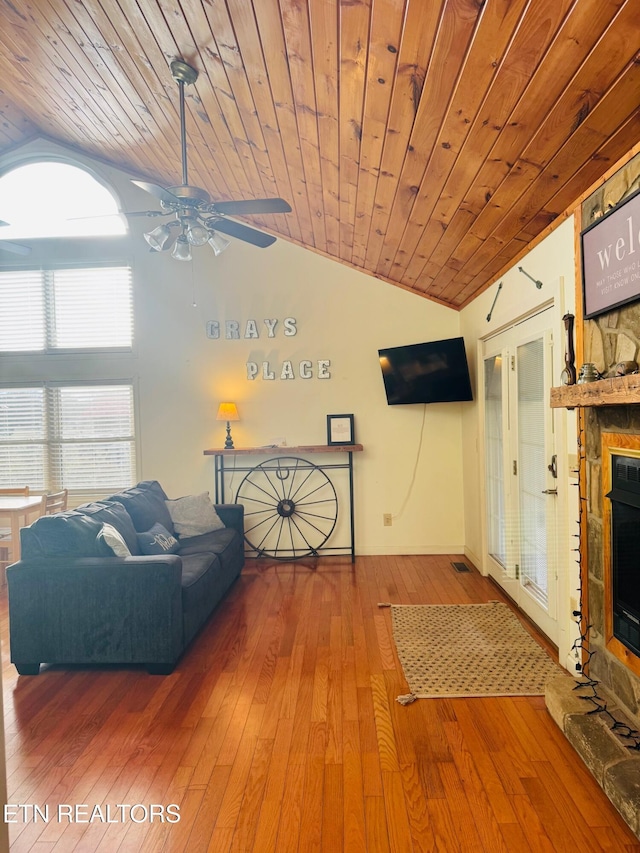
{"x": 432, "y": 372}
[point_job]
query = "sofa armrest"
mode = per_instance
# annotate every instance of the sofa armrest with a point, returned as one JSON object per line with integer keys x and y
{"x": 96, "y": 610}
{"x": 231, "y": 515}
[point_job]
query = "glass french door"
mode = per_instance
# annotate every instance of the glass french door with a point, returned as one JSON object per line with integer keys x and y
{"x": 520, "y": 468}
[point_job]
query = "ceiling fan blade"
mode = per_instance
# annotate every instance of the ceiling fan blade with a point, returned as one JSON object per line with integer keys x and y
{"x": 257, "y": 205}
{"x": 148, "y": 213}
{"x": 16, "y": 248}
{"x": 110, "y": 216}
{"x": 242, "y": 232}
{"x": 158, "y": 192}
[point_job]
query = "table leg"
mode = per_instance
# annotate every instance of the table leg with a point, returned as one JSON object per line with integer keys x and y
{"x": 15, "y": 537}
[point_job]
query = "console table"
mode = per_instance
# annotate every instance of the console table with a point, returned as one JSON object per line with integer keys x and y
{"x": 291, "y": 505}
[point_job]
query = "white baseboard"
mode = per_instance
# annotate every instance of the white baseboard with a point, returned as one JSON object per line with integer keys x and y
{"x": 473, "y": 558}
{"x": 398, "y": 550}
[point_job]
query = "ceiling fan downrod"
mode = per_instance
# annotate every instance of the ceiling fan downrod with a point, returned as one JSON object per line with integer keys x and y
{"x": 183, "y": 74}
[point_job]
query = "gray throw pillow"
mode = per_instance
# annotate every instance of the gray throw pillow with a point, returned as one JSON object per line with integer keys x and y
{"x": 158, "y": 540}
{"x": 194, "y": 515}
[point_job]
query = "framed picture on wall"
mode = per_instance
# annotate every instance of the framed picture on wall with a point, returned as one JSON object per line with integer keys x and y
{"x": 610, "y": 251}
{"x": 340, "y": 429}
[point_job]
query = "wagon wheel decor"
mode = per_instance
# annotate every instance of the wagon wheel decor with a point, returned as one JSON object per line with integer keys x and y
{"x": 290, "y": 508}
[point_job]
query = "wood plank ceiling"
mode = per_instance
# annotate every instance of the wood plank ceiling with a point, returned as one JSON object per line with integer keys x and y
{"x": 426, "y": 142}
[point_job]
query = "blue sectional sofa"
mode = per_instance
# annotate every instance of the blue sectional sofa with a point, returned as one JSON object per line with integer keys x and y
{"x": 72, "y": 601}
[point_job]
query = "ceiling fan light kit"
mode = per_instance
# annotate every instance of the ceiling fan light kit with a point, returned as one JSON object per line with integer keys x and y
{"x": 198, "y": 218}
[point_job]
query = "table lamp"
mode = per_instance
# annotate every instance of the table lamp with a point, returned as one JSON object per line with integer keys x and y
{"x": 228, "y": 412}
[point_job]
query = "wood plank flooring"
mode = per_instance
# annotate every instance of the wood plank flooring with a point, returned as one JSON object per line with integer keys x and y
{"x": 280, "y": 731}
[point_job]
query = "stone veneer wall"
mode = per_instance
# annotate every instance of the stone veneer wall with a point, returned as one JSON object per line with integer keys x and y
{"x": 608, "y": 339}
{"x": 612, "y": 673}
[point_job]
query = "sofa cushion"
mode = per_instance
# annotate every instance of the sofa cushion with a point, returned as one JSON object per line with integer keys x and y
{"x": 116, "y": 515}
{"x": 115, "y": 540}
{"x": 65, "y": 534}
{"x": 158, "y": 540}
{"x": 145, "y": 506}
{"x": 226, "y": 544}
{"x": 195, "y": 568}
{"x": 152, "y": 486}
{"x": 194, "y": 515}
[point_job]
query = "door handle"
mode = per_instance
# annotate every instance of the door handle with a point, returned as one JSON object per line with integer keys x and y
{"x": 549, "y": 491}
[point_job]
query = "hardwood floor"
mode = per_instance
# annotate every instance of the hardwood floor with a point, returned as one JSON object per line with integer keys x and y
{"x": 280, "y": 731}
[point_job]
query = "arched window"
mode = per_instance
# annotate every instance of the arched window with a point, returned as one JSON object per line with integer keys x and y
{"x": 51, "y": 198}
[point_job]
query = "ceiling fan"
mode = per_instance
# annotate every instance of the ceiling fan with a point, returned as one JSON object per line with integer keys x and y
{"x": 16, "y": 248}
{"x": 196, "y": 219}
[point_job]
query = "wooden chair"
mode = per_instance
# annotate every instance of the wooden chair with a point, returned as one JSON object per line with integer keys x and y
{"x": 5, "y": 532}
{"x": 55, "y": 502}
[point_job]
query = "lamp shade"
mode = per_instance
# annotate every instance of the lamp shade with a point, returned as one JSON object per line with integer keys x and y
{"x": 227, "y": 412}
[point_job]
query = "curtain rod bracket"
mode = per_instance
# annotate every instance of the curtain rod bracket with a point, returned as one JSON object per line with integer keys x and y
{"x": 536, "y": 281}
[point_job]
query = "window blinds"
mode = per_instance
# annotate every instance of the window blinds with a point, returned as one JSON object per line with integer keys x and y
{"x": 76, "y": 308}
{"x": 75, "y": 436}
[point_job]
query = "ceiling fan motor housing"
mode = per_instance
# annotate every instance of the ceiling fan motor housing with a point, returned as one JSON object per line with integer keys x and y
{"x": 191, "y": 196}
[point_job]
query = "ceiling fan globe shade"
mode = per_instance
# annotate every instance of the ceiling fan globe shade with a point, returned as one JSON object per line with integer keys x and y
{"x": 197, "y": 234}
{"x": 181, "y": 249}
{"x": 218, "y": 243}
{"x": 158, "y": 238}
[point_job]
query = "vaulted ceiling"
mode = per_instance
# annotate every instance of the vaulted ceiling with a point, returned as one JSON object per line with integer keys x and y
{"x": 426, "y": 142}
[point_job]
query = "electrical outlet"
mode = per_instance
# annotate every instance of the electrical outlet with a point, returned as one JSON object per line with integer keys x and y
{"x": 387, "y": 519}
{"x": 573, "y": 605}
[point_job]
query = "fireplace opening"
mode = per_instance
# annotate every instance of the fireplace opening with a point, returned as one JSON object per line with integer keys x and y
{"x": 625, "y": 550}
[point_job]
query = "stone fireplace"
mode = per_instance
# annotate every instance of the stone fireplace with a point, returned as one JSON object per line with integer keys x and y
{"x": 610, "y": 541}
{"x": 610, "y": 338}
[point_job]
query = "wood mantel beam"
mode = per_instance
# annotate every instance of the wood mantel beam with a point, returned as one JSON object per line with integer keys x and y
{"x": 618, "y": 391}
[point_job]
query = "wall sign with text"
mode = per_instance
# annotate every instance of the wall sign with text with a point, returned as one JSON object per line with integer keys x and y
{"x": 611, "y": 259}
{"x": 270, "y": 327}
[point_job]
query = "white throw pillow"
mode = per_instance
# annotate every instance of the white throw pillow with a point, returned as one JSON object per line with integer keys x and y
{"x": 194, "y": 515}
{"x": 114, "y": 540}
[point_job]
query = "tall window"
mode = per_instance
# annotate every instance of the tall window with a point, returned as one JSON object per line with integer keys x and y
{"x": 64, "y": 422}
{"x": 74, "y": 435}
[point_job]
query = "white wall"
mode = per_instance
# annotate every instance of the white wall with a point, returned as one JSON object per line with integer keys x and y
{"x": 342, "y": 315}
{"x": 552, "y": 261}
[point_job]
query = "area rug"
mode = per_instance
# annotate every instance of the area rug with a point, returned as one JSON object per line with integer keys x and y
{"x": 454, "y": 650}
